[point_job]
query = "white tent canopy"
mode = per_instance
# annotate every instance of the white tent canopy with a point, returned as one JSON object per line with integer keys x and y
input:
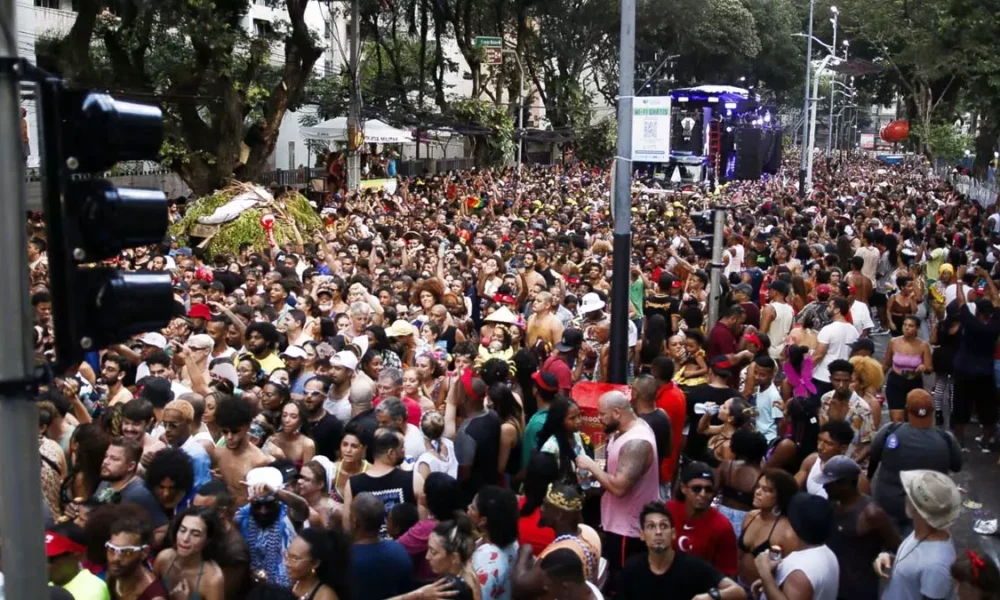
{"x": 376, "y": 132}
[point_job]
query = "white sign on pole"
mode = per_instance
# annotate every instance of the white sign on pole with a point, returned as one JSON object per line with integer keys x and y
{"x": 867, "y": 141}
{"x": 651, "y": 129}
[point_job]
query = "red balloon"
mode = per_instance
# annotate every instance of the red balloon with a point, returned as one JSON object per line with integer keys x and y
{"x": 897, "y": 131}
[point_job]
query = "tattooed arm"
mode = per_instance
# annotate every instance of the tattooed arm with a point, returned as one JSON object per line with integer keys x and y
{"x": 635, "y": 457}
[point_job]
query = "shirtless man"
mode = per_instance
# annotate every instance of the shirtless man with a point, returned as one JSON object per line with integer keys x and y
{"x": 859, "y": 281}
{"x": 238, "y": 456}
{"x": 137, "y": 417}
{"x": 543, "y": 324}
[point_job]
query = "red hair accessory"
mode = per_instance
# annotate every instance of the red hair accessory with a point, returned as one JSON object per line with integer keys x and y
{"x": 977, "y": 563}
{"x": 504, "y": 299}
{"x": 467, "y": 384}
{"x": 753, "y": 339}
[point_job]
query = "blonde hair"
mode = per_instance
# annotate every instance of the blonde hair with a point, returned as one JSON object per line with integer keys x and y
{"x": 869, "y": 371}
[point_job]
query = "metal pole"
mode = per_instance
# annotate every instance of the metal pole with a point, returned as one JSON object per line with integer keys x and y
{"x": 24, "y": 564}
{"x": 715, "y": 292}
{"x": 812, "y": 125}
{"x": 354, "y": 108}
{"x": 622, "y": 200}
{"x": 805, "y": 103}
{"x": 829, "y": 122}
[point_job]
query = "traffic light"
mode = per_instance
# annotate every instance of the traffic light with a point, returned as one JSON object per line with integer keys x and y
{"x": 90, "y": 220}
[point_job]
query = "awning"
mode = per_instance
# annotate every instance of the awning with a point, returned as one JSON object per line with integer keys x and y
{"x": 376, "y": 132}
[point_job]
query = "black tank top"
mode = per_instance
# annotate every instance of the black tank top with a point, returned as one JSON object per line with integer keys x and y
{"x": 856, "y": 553}
{"x": 448, "y": 337}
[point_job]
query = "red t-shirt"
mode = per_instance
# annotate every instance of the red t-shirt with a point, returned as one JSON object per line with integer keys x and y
{"x": 721, "y": 341}
{"x": 709, "y": 537}
{"x": 528, "y": 531}
{"x": 413, "y": 410}
{"x": 556, "y": 365}
{"x": 672, "y": 401}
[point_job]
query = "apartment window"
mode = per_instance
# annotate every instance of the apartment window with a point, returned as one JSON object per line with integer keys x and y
{"x": 327, "y": 30}
{"x": 48, "y": 3}
{"x": 328, "y": 68}
{"x": 262, "y": 28}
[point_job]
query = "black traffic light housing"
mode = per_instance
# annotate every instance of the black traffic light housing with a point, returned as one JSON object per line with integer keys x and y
{"x": 89, "y": 219}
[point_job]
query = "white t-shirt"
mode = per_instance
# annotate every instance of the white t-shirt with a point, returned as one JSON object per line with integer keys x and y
{"x": 735, "y": 264}
{"x": 951, "y": 294}
{"x": 819, "y": 565}
{"x": 837, "y": 336}
{"x": 769, "y": 410}
{"x": 862, "y": 317}
{"x": 413, "y": 442}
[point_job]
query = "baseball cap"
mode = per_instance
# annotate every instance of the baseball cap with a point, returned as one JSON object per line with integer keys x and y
{"x": 346, "y": 359}
{"x": 157, "y": 390}
{"x": 823, "y": 290}
{"x": 199, "y": 311}
{"x": 744, "y": 288}
{"x": 721, "y": 366}
{"x": 154, "y": 339}
{"x": 863, "y": 344}
{"x": 400, "y": 328}
{"x": 571, "y": 340}
{"x": 294, "y": 352}
{"x": 838, "y": 468}
{"x": 697, "y": 470}
{"x": 57, "y": 544}
{"x": 545, "y": 380}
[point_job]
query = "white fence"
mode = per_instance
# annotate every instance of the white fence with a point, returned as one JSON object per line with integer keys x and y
{"x": 983, "y": 193}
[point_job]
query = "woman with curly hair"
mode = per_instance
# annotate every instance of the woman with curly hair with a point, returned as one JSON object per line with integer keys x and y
{"x": 189, "y": 565}
{"x": 867, "y": 382}
{"x": 426, "y": 293}
{"x": 317, "y": 563}
{"x": 170, "y": 477}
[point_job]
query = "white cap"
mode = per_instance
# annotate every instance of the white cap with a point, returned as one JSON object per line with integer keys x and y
{"x": 154, "y": 339}
{"x": 346, "y": 359}
{"x": 226, "y": 371}
{"x": 294, "y": 352}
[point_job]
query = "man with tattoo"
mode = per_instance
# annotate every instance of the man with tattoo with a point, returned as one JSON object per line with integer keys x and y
{"x": 630, "y": 482}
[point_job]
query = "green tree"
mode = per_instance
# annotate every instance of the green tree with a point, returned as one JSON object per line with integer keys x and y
{"x": 942, "y": 141}
{"x": 596, "y": 144}
{"x": 490, "y": 127}
{"x": 224, "y": 90}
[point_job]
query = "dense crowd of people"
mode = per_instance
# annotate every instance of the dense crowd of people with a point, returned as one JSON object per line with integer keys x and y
{"x": 389, "y": 410}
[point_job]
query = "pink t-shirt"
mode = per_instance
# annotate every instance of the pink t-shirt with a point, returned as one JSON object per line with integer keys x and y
{"x": 621, "y": 515}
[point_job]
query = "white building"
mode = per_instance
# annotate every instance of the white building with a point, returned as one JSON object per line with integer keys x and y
{"x": 40, "y": 18}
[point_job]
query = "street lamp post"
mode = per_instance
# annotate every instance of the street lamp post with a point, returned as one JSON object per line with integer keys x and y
{"x": 812, "y": 121}
{"x": 520, "y": 105}
{"x": 805, "y": 104}
{"x": 829, "y": 123}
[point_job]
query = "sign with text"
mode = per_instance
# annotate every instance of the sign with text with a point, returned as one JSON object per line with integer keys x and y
{"x": 867, "y": 141}
{"x": 492, "y": 48}
{"x": 651, "y": 129}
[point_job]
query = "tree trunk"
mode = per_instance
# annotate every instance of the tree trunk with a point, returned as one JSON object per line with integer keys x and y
{"x": 986, "y": 141}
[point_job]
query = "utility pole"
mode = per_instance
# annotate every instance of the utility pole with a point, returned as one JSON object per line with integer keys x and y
{"x": 833, "y": 78}
{"x": 24, "y": 565}
{"x": 805, "y": 104}
{"x": 715, "y": 291}
{"x": 622, "y": 200}
{"x": 354, "y": 108}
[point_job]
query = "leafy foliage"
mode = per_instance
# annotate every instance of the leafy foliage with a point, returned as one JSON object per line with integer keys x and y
{"x": 224, "y": 89}
{"x": 942, "y": 141}
{"x": 498, "y": 145}
{"x": 597, "y": 144}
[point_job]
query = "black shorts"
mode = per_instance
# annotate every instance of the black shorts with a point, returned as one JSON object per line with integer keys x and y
{"x": 898, "y": 386}
{"x": 616, "y": 549}
{"x": 974, "y": 392}
{"x": 878, "y": 300}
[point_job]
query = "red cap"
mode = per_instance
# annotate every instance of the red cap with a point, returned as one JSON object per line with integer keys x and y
{"x": 199, "y": 311}
{"x": 57, "y": 545}
{"x": 822, "y": 289}
{"x": 540, "y": 381}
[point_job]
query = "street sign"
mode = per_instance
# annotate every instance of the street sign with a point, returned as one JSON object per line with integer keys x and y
{"x": 492, "y": 49}
{"x": 494, "y": 56}
{"x": 484, "y": 41}
{"x": 651, "y": 129}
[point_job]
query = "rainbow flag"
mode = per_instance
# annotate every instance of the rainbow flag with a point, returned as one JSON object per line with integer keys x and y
{"x": 475, "y": 203}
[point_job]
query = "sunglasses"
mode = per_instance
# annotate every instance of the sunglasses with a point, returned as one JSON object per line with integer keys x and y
{"x": 116, "y": 550}
{"x": 700, "y": 489}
